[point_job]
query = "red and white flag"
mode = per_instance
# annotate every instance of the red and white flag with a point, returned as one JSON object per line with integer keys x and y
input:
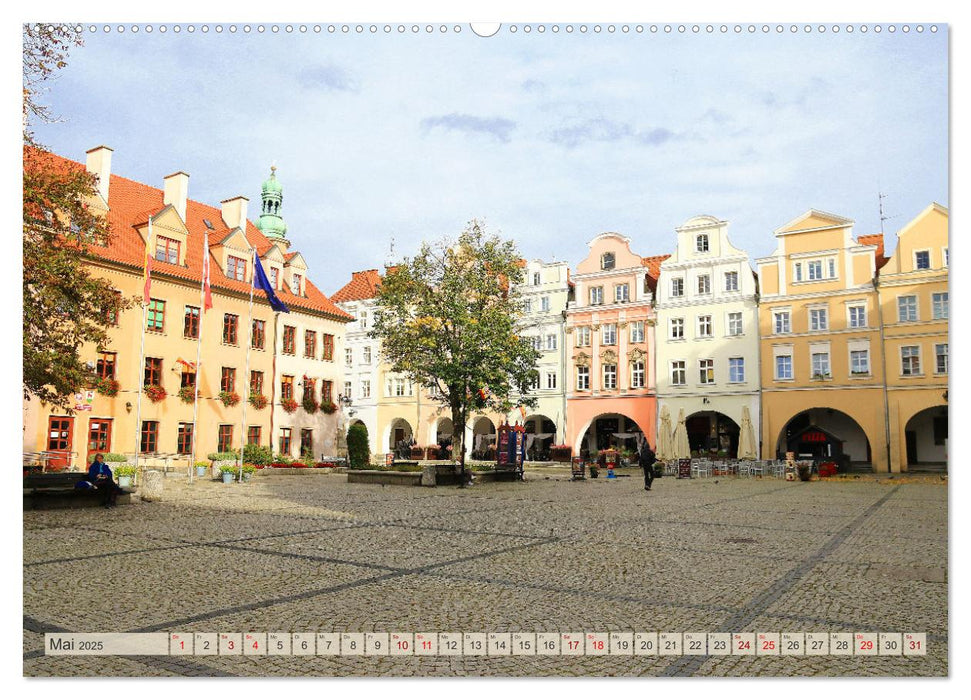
{"x": 206, "y": 291}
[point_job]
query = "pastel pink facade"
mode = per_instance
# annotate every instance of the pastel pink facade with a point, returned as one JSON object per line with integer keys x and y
{"x": 610, "y": 344}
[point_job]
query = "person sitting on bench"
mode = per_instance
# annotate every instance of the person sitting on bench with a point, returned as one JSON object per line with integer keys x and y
{"x": 100, "y": 475}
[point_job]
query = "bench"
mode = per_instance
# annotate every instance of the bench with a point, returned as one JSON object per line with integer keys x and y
{"x": 56, "y": 490}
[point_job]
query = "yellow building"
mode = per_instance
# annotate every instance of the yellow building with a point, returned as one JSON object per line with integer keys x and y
{"x": 914, "y": 301}
{"x": 821, "y": 353}
{"x": 173, "y": 321}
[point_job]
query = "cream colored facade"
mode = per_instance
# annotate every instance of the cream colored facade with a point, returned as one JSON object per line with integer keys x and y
{"x": 914, "y": 299}
{"x": 546, "y": 291}
{"x": 708, "y": 335}
{"x": 822, "y": 357}
{"x": 361, "y": 361}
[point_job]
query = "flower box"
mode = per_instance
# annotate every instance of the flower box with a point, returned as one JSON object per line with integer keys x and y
{"x": 289, "y": 405}
{"x": 155, "y": 393}
{"x": 229, "y": 398}
{"x": 107, "y": 387}
{"x": 258, "y": 401}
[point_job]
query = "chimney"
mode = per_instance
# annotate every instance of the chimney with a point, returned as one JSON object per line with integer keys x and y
{"x": 99, "y": 164}
{"x": 177, "y": 191}
{"x": 234, "y": 212}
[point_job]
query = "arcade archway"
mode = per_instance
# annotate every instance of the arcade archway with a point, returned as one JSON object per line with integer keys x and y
{"x": 610, "y": 430}
{"x": 400, "y": 431}
{"x": 540, "y": 437}
{"x": 711, "y": 433}
{"x": 826, "y": 434}
{"x": 483, "y": 438}
{"x": 926, "y": 436}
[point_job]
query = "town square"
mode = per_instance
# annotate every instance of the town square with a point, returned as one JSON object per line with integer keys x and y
{"x": 638, "y": 368}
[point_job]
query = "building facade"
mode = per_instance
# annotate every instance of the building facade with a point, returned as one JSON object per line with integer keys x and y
{"x": 823, "y": 392}
{"x": 611, "y": 397}
{"x": 116, "y": 413}
{"x": 708, "y": 337}
{"x": 545, "y": 292}
{"x": 913, "y": 289}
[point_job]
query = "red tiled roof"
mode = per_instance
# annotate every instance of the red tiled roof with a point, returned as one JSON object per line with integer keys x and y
{"x": 363, "y": 285}
{"x": 877, "y": 240}
{"x": 653, "y": 265}
{"x": 130, "y": 203}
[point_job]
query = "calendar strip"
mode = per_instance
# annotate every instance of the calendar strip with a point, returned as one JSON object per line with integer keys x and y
{"x": 488, "y": 644}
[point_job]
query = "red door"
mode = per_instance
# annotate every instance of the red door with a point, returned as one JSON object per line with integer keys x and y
{"x": 60, "y": 439}
{"x": 99, "y": 437}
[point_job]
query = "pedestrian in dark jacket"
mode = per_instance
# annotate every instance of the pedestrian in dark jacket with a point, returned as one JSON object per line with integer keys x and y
{"x": 100, "y": 475}
{"x": 647, "y": 459}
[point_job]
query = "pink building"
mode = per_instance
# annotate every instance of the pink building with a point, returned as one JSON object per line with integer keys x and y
{"x": 611, "y": 395}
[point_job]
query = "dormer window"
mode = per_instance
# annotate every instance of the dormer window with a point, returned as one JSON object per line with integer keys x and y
{"x": 607, "y": 261}
{"x": 701, "y": 243}
{"x": 167, "y": 250}
{"x": 274, "y": 278}
{"x": 297, "y": 280}
{"x": 235, "y": 268}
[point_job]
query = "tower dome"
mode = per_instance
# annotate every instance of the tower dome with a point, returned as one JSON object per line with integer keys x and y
{"x": 271, "y": 221}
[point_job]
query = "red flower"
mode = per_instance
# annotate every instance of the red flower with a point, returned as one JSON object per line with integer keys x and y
{"x": 289, "y": 405}
{"x": 155, "y": 393}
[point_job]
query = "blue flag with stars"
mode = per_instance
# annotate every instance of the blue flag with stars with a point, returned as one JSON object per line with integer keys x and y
{"x": 261, "y": 282}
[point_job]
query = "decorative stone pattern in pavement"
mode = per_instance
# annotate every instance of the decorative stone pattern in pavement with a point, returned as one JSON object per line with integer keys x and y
{"x": 312, "y": 553}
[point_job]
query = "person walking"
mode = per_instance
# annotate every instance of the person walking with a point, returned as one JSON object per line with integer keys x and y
{"x": 647, "y": 459}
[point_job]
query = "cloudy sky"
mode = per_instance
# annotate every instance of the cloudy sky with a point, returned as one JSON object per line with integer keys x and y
{"x": 551, "y": 138}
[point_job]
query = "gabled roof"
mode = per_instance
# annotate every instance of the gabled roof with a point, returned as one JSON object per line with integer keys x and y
{"x": 363, "y": 285}
{"x": 812, "y": 220}
{"x": 130, "y": 204}
{"x": 877, "y": 240}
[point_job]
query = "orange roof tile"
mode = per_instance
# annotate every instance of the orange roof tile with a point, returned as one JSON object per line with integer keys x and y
{"x": 363, "y": 285}
{"x": 877, "y": 240}
{"x": 130, "y": 203}
{"x": 653, "y": 265}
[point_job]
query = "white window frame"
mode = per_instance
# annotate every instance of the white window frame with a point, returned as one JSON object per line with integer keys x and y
{"x": 706, "y": 371}
{"x": 942, "y": 297}
{"x": 677, "y": 287}
{"x": 583, "y": 378}
{"x": 704, "y": 285}
{"x": 784, "y": 314}
{"x": 582, "y": 336}
{"x": 916, "y": 308}
{"x": 865, "y": 372}
{"x": 825, "y": 368}
{"x": 710, "y": 324}
{"x": 735, "y": 323}
{"x": 603, "y": 261}
{"x": 637, "y": 331}
{"x": 861, "y": 308}
{"x": 348, "y": 388}
{"x": 596, "y": 296}
{"x": 608, "y": 334}
{"x": 736, "y": 370}
{"x": 676, "y": 323}
{"x": 551, "y": 341}
{"x": 348, "y": 357}
{"x": 609, "y": 377}
{"x": 527, "y": 306}
{"x": 366, "y": 355}
{"x": 929, "y": 261}
{"x": 818, "y": 318}
{"x": 637, "y": 375}
{"x": 365, "y": 388}
{"x": 797, "y": 272}
{"x": 702, "y": 243}
{"x": 678, "y": 371}
{"x": 551, "y": 380}
{"x": 536, "y": 279}
{"x": 621, "y": 293}
{"x": 937, "y": 358}
{"x": 919, "y": 372}
{"x": 544, "y": 304}
{"x": 775, "y": 369}
{"x": 733, "y": 285}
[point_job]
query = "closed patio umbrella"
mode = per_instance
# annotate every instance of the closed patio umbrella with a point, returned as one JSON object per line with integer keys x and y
{"x": 746, "y": 437}
{"x": 665, "y": 449}
{"x": 682, "y": 450}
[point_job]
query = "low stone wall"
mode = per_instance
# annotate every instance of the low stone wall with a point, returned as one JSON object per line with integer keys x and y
{"x": 375, "y": 476}
{"x": 302, "y": 470}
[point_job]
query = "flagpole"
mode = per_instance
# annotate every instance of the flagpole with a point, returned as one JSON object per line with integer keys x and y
{"x": 249, "y": 347}
{"x": 195, "y": 400}
{"x": 141, "y": 359}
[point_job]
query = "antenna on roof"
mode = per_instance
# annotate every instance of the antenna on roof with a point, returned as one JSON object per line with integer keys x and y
{"x": 883, "y": 217}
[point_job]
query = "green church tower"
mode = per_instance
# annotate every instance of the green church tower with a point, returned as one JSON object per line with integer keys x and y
{"x": 271, "y": 219}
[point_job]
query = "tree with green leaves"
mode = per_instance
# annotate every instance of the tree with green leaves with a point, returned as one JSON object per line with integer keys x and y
{"x": 65, "y": 305}
{"x": 447, "y": 319}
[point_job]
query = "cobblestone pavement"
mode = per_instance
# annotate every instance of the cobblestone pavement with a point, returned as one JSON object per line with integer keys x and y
{"x": 308, "y": 553}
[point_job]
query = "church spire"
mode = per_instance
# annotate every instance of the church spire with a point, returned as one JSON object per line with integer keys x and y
{"x": 271, "y": 217}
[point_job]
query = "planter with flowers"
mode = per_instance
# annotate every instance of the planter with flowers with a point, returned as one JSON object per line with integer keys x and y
{"x": 289, "y": 405}
{"x": 328, "y": 407}
{"x": 187, "y": 394}
{"x": 126, "y": 475}
{"x": 155, "y": 393}
{"x": 229, "y": 398}
{"x": 107, "y": 386}
{"x": 310, "y": 404}
{"x": 258, "y": 401}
